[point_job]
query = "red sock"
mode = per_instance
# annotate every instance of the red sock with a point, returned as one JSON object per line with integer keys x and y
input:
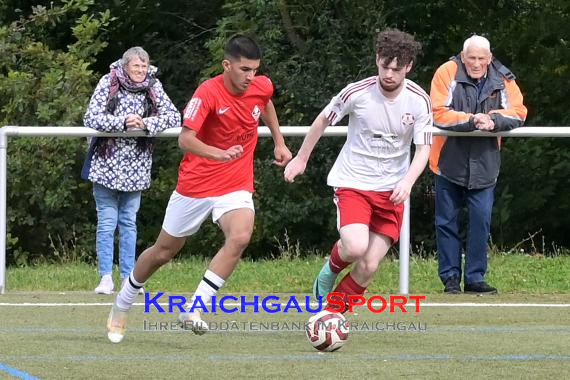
{"x": 348, "y": 287}
{"x": 335, "y": 262}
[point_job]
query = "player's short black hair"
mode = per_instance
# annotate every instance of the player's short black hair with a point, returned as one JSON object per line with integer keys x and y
{"x": 393, "y": 43}
{"x": 241, "y": 46}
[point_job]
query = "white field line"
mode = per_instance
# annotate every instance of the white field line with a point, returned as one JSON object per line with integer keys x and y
{"x": 312, "y": 304}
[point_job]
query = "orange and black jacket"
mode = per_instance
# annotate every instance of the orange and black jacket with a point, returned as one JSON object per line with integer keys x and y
{"x": 472, "y": 162}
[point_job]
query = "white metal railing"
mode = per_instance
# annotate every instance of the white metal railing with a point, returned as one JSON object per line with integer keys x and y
{"x": 49, "y": 131}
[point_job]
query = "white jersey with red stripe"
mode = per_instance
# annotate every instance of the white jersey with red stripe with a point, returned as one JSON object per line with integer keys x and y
{"x": 376, "y": 154}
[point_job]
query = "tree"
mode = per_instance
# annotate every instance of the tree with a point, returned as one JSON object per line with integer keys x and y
{"x": 311, "y": 49}
{"x": 52, "y": 55}
{"x": 44, "y": 84}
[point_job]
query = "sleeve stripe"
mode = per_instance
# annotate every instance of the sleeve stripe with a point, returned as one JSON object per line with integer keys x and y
{"x": 422, "y": 94}
{"x": 192, "y": 108}
{"x": 332, "y": 116}
{"x": 357, "y": 87}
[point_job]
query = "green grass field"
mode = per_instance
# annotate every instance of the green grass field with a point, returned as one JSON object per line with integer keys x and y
{"x": 455, "y": 341}
{"x": 519, "y": 334}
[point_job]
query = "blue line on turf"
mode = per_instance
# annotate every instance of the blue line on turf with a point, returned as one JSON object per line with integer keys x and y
{"x": 16, "y": 372}
{"x": 337, "y": 357}
{"x": 315, "y": 356}
{"x": 430, "y": 329}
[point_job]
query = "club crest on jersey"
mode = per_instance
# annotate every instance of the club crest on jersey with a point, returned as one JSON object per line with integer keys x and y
{"x": 408, "y": 120}
{"x": 337, "y": 107}
{"x": 256, "y": 113}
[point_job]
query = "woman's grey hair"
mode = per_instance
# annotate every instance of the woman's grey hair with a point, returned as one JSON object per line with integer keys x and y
{"x": 136, "y": 51}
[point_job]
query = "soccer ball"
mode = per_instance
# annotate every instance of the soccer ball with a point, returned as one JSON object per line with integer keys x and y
{"x": 327, "y": 331}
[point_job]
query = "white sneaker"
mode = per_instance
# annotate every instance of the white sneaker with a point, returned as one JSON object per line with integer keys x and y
{"x": 116, "y": 324}
{"x": 141, "y": 290}
{"x": 106, "y": 285}
{"x": 193, "y": 321}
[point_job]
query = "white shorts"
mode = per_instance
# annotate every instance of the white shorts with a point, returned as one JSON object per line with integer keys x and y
{"x": 185, "y": 215}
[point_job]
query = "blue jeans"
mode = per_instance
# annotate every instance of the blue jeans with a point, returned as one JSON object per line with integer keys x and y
{"x": 449, "y": 200}
{"x": 116, "y": 208}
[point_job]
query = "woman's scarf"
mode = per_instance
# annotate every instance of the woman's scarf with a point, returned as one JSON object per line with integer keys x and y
{"x": 127, "y": 83}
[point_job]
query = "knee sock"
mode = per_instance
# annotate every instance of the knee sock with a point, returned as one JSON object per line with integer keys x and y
{"x": 208, "y": 287}
{"x": 128, "y": 293}
{"x": 348, "y": 287}
{"x": 336, "y": 263}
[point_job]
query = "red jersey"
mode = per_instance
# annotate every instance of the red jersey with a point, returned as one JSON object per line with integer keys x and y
{"x": 222, "y": 119}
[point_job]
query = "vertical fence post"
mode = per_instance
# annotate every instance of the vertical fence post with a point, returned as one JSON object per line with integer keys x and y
{"x": 3, "y": 219}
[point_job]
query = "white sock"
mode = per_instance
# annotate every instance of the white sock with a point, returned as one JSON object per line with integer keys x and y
{"x": 128, "y": 293}
{"x": 208, "y": 287}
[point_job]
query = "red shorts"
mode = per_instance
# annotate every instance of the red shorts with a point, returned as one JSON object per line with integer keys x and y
{"x": 372, "y": 208}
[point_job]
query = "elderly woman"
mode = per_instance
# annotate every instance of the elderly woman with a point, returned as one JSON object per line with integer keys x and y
{"x": 128, "y": 98}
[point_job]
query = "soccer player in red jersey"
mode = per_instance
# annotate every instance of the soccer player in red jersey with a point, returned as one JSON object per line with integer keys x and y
{"x": 219, "y": 135}
{"x": 372, "y": 175}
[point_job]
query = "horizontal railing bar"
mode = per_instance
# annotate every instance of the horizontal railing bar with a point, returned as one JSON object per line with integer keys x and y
{"x": 52, "y": 131}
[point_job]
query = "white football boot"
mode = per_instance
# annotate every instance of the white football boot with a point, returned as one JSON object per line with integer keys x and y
{"x": 193, "y": 321}
{"x": 117, "y": 324}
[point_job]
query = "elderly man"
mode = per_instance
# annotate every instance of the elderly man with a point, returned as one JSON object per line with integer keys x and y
{"x": 472, "y": 91}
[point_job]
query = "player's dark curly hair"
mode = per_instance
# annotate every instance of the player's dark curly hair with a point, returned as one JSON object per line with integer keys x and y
{"x": 393, "y": 43}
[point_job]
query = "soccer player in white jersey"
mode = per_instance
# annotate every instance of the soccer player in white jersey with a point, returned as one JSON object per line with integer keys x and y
{"x": 372, "y": 176}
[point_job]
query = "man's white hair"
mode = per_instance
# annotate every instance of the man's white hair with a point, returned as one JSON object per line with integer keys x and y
{"x": 478, "y": 41}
